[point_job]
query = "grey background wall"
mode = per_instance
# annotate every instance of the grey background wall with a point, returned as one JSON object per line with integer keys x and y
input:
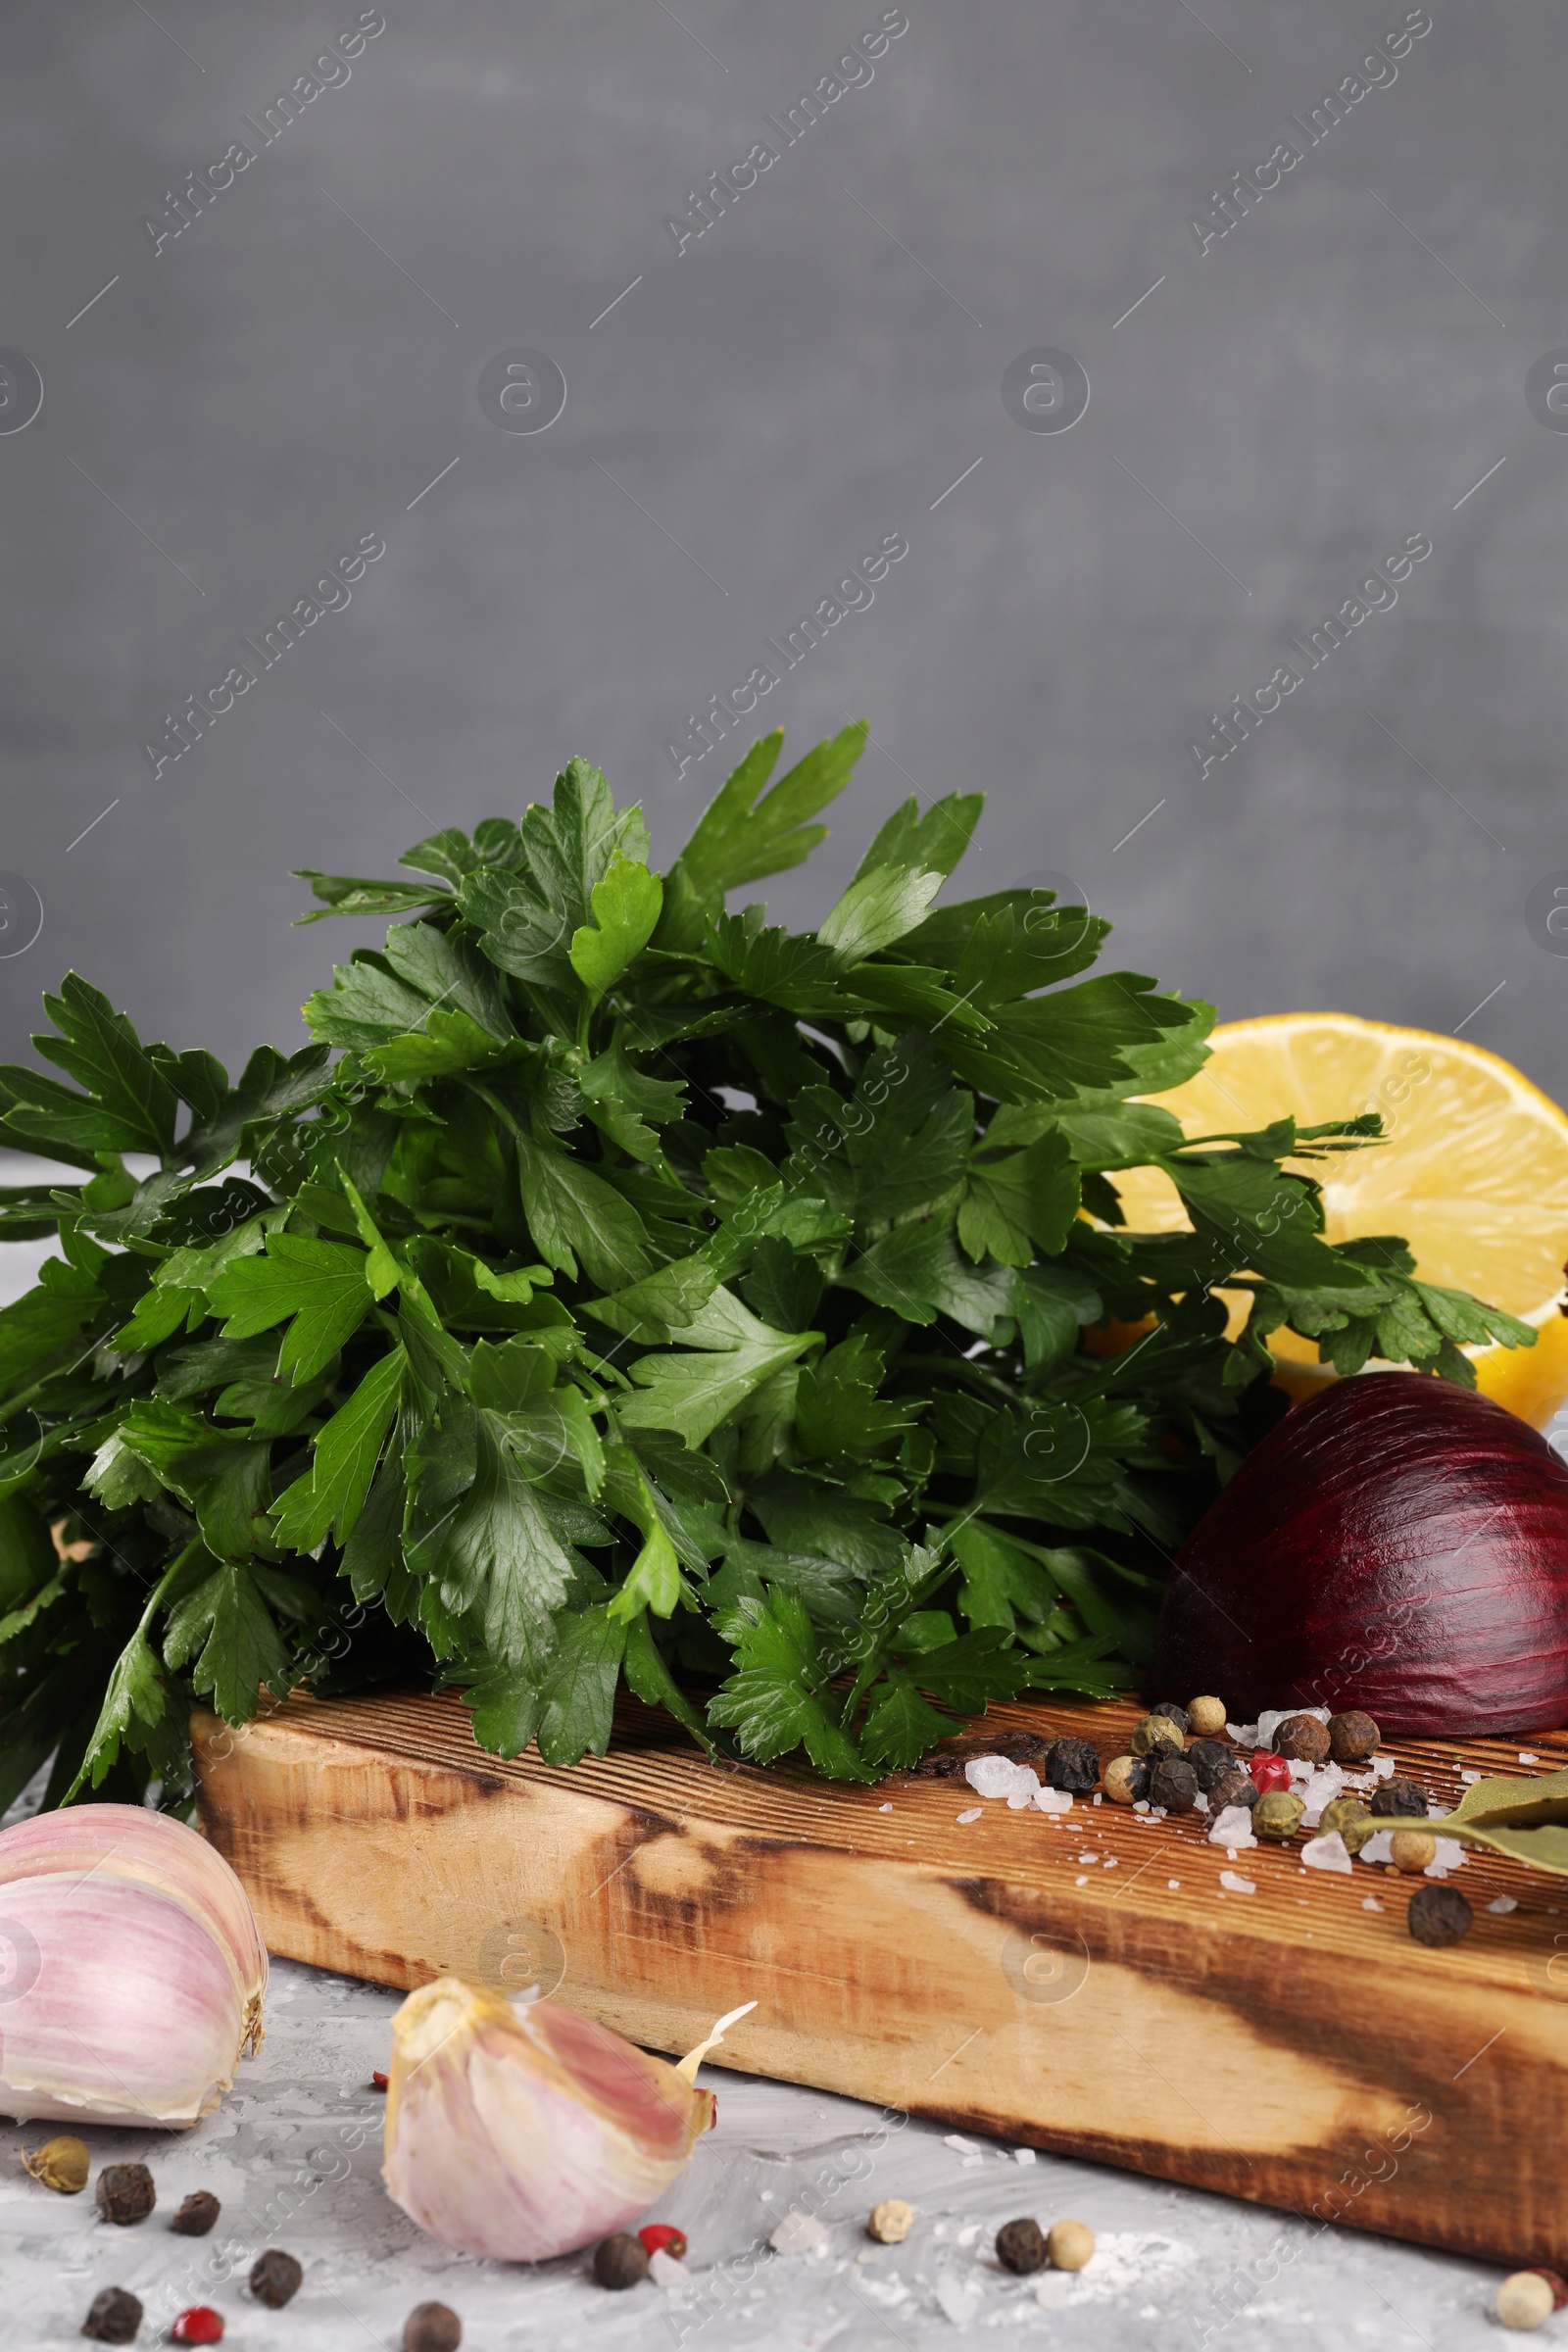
{"x": 753, "y": 413}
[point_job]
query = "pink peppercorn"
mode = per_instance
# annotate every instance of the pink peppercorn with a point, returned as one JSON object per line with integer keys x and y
{"x": 662, "y": 2238}
{"x": 1269, "y": 1772}
{"x": 200, "y": 2324}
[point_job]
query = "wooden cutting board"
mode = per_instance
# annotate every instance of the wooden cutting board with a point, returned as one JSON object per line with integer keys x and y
{"x": 1086, "y": 1985}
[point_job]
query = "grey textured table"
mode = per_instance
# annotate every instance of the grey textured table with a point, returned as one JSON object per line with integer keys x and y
{"x": 294, "y": 2155}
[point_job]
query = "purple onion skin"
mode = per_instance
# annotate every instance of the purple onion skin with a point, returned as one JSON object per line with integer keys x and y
{"x": 1397, "y": 1543}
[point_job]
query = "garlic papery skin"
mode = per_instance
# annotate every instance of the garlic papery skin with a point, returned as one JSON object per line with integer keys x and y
{"x": 522, "y": 2132}
{"x": 131, "y": 1842}
{"x": 130, "y": 1980}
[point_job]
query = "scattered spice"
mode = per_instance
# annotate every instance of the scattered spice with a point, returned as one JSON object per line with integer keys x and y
{"x": 1350, "y": 1819}
{"x": 200, "y": 2324}
{"x": 275, "y": 2278}
{"x": 1071, "y": 1764}
{"x": 1525, "y": 2300}
{"x": 61, "y": 2164}
{"x": 662, "y": 2238}
{"x": 1400, "y": 1797}
{"x": 432, "y": 2327}
{"x": 1178, "y": 1715}
{"x": 1126, "y": 1779}
{"x": 1205, "y": 1717}
{"x": 1304, "y": 1737}
{"x": 891, "y": 2222}
{"x": 197, "y": 2214}
{"x": 620, "y": 2260}
{"x": 1173, "y": 1783}
{"x": 114, "y": 2317}
{"x": 125, "y": 2194}
{"x": 379, "y": 2081}
{"x": 1410, "y": 1851}
{"x": 1233, "y": 1787}
{"x": 1155, "y": 1732}
{"x": 1437, "y": 1915}
{"x": 1278, "y": 1814}
{"x": 1069, "y": 2244}
{"x": 1022, "y": 2246}
{"x": 1353, "y": 1738}
{"x": 1268, "y": 1772}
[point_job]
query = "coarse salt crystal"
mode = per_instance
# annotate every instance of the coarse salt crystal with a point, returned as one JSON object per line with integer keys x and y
{"x": 1024, "y": 2156}
{"x": 995, "y": 1776}
{"x": 1369, "y": 1902}
{"x": 1470, "y": 1778}
{"x": 1173, "y": 1884}
{"x": 1082, "y": 1882}
{"x": 957, "y": 2301}
{"x": 973, "y": 1814}
{"x": 1504, "y": 1902}
{"x": 1201, "y": 1802}
{"x": 1376, "y": 1848}
{"x": 1053, "y": 1801}
{"x": 1384, "y": 1767}
{"x": 1096, "y": 1798}
{"x": 798, "y": 2233}
{"x": 1141, "y": 1805}
{"x": 665, "y": 2272}
{"x": 1236, "y": 1882}
{"x": 1448, "y": 1856}
{"x": 1327, "y": 1782}
{"x": 1089, "y": 1857}
{"x": 1327, "y": 1853}
{"x": 1233, "y": 1828}
{"x": 1110, "y": 1863}
{"x": 1527, "y": 1756}
{"x": 965, "y": 2147}
{"x": 1245, "y": 1735}
{"x": 884, "y": 1808}
{"x": 1026, "y": 1791}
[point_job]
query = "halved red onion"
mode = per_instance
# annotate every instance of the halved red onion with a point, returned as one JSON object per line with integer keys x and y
{"x": 1397, "y": 1543}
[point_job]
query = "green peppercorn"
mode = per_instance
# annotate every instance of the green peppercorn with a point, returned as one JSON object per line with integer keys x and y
{"x": 1277, "y": 1814}
{"x": 1155, "y": 1732}
{"x": 1352, "y": 1819}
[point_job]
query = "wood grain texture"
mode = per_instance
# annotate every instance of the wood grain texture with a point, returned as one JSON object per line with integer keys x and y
{"x": 1085, "y": 1986}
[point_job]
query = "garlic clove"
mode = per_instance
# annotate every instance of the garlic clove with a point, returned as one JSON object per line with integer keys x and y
{"x": 122, "y": 2007}
{"x": 131, "y": 1842}
{"x": 525, "y": 2132}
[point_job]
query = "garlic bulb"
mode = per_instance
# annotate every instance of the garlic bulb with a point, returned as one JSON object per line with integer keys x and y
{"x": 524, "y": 2132}
{"x": 131, "y": 1968}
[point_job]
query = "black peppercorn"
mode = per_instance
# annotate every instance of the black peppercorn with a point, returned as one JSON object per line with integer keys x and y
{"x": 1177, "y": 1715}
{"x": 114, "y": 2317}
{"x": 1404, "y": 1798}
{"x": 620, "y": 2260}
{"x": 1437, "y": 1915}
{"x": 125, "y": 2192}
{"x": 275, "y": 2278}
{"x": 1212, "y": 1762}
{"x": 1353, "y": 1737}
{"x": 197, "y": 2214}
{"x": 432, "y": 2327}
{"x": 1071, "y": 1764}
{"x": 1173, "y": 1783}
{"x": 1233, "y": 1787}
{"x": 1303, "y": 1737}
{"x": 1022, "y": 2246}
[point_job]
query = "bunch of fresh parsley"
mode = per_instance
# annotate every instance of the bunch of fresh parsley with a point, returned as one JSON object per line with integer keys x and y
{"x": 624, "y": 1287}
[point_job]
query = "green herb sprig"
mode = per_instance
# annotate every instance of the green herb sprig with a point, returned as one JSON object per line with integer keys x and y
{"x": 620, "y": 1288}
